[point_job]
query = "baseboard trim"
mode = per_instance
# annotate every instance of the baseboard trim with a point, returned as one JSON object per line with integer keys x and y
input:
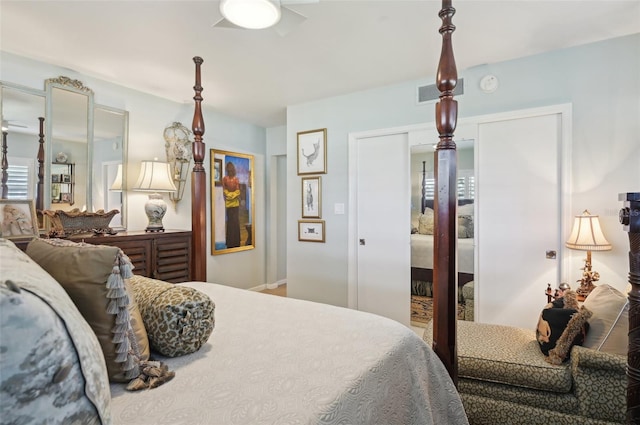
{"x": 268, "y": 285}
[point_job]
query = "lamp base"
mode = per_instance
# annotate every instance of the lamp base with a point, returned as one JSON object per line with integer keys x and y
{"x": 588, "y": 277}
{"x": 155, "y": 208}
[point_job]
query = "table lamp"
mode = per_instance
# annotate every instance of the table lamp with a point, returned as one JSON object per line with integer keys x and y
{"x": 117, "y": 181}
{"x": 155, "y": 177}
{"x": 586, "y": 235}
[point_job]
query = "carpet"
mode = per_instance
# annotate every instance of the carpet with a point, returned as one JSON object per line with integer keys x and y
{"x": 422, "y": 310}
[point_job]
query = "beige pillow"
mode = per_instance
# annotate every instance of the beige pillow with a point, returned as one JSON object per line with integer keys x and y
{"x": 425, "y": 222}
{"x": 609, "y": 325}
{"x": 465, "y": 209}
{"x": 89, "y": 274}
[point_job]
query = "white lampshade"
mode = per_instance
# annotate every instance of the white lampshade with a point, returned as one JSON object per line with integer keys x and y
{"x": 117, "y": 182}
{"x": 155, "y": 176}
{"x": 251, "y": 14}
{"x": 586, "y": 234}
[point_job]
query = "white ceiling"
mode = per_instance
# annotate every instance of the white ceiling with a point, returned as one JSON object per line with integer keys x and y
{"x": 342, "y": 46}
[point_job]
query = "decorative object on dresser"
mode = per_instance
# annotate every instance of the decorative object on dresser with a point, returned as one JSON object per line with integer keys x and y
{"x": 586, "y": 235}
{"x": 159, "y": 255}
{"x": 178, "y": 149}
{"x": 76, "y": 222}
{"x": 155, "y": 177}
{"x": 18, "y": 219}
{"x": 630, "y": 220}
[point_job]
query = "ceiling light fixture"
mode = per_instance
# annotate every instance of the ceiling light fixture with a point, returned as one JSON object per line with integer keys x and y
{"x": 251, "y": 14}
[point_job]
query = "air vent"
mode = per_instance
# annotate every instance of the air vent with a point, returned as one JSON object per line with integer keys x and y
{"x": 430, "y": 93}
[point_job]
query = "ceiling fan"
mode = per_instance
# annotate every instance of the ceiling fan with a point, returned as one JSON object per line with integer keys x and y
{"x": 260, "y": 14}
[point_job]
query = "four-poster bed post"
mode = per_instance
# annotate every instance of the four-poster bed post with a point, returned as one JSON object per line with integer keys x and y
{"x": 40, "y": 185}
{"x": 630, "y": 220}
{"x": 445, "y": 229}
{"x": 198, "y": 186}
{"x": 5, "y": 167}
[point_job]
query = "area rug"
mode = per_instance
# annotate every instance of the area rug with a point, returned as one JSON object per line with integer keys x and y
{"x": 422, "y": 310}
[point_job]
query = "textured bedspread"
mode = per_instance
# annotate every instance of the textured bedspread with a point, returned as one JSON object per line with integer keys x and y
{"x": 274, "y": 360}
{"x": 422, "y": 253}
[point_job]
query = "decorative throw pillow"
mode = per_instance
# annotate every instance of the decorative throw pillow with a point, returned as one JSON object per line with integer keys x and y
{"x": 466, "y": 209}
{"x": 551, "y": 325}
{"x": 94, "y": 277}
{"x": 561, "y": 322}
{"x": 425, "y": 222}
{"x": 609, "y": 325}
{"x": 465, "y": 226}
{"x": 178, "y": 319}
{"x": 574, "y": 334}
{"x": 51, "y": 369}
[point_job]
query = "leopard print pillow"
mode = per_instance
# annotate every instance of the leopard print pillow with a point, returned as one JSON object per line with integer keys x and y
{"x": 178, "y": 319}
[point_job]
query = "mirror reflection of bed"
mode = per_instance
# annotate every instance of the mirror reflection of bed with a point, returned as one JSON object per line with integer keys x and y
{"x": 422, "y": 216}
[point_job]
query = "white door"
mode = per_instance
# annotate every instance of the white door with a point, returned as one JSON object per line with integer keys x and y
{"x": 383, "y": 226}
{"x": 519, "y": 217}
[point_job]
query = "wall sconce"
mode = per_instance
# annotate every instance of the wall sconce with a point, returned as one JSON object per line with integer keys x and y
{"x": 155, "y": 177}
{"x": 179, "y": 155}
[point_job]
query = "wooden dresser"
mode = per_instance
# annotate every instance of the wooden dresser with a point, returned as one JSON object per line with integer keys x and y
{"x": 162, "y": 255}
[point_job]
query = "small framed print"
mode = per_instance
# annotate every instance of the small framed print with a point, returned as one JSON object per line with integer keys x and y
{"x": 55, "y": 178}
{"x": 311, "y": 197}
{"x": 18, "y": 219}
{"x": 65, "y": 198}
{"x": 312, "y": 152}
{"x": 311, "y": 230}
{"x": 65, "y": 178}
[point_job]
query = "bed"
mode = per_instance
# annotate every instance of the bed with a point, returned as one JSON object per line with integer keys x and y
{"x": 279, "y": 360}
{"x": 274, "y": 360}
{"x": 422, "y": 246}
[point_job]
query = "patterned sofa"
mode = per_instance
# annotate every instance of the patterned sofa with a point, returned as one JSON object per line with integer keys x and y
{"x": 504, "y": 378}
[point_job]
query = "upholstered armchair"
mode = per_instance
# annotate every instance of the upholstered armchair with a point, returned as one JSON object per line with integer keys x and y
{"x": 504, "y": 378}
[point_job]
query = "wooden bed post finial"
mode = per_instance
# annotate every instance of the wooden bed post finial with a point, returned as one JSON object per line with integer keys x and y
{"x": 198, "y": 186}
{"x": 445, "y": 311}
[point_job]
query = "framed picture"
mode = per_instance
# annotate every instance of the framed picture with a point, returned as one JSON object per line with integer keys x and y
{"x": 217, "y": 171}
{"x": 65, "y": 198}
{"x": 311, "y": 230}
{"x": 312, "y": 152}
{"x": 311, "y": 197}
{"x": 55, "y": 178}
{"x": 66, "y": 178}
{"x": 18, "y": 219}
{"x": 232, "y": 202}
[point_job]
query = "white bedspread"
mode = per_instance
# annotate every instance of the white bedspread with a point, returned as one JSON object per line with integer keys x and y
{"x": 274, "y": 360}
{"x": 422, "y": 253}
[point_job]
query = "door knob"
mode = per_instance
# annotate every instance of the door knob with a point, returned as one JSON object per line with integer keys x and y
{"x": 362, "y": 242}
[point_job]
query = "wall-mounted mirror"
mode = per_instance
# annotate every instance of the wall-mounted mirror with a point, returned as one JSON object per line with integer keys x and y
{"x": 110, "y": 129}
{"x": 84, "y": 145}
{"x": 20, "y": 108}
{"x": 422, "y": 230}
{"x": 68, "y": 135}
